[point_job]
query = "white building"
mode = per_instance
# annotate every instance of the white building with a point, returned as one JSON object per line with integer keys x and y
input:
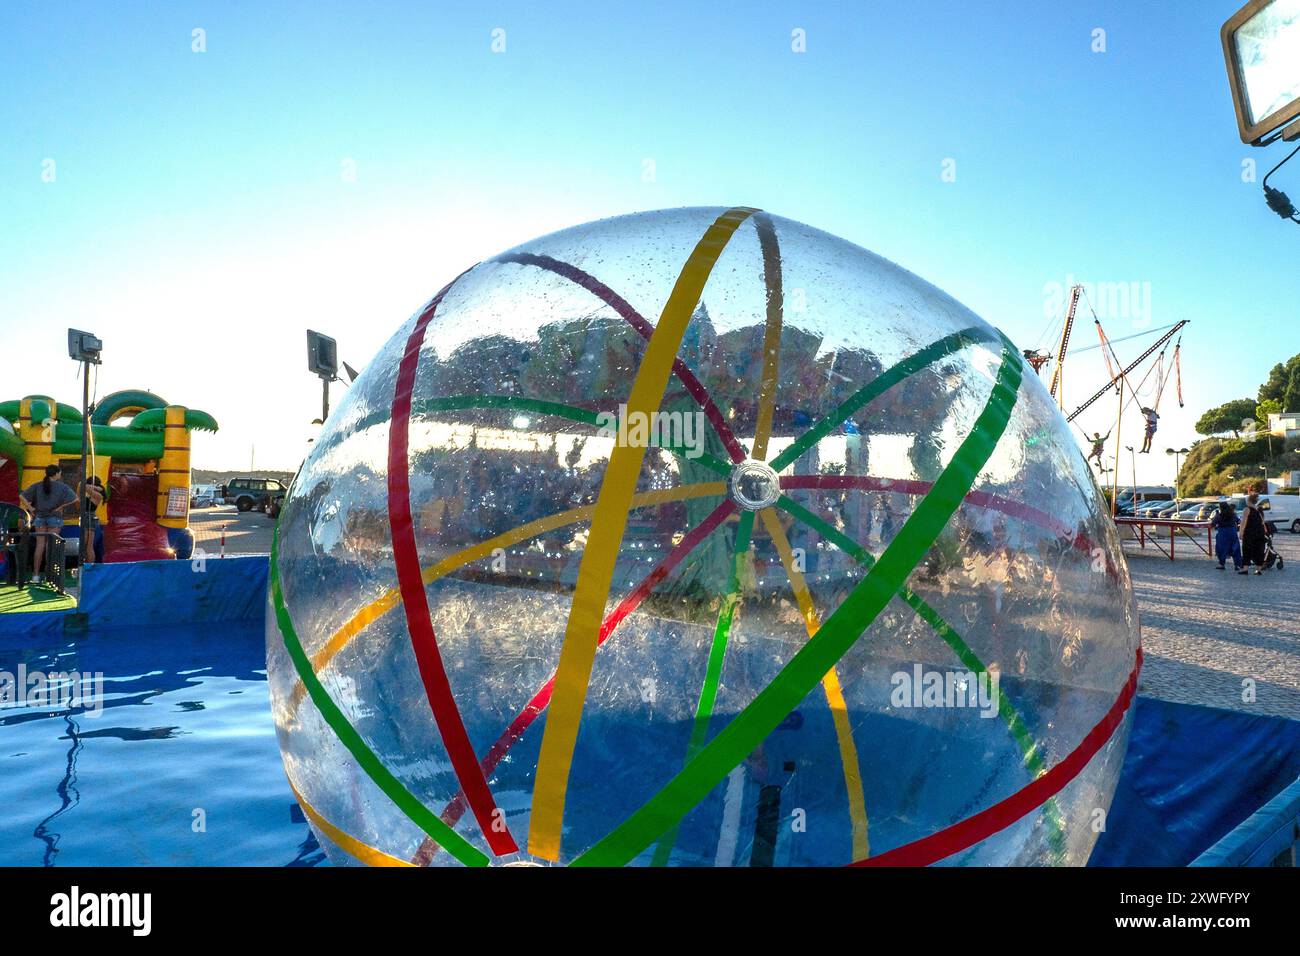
{"x": 1284, "y": 425}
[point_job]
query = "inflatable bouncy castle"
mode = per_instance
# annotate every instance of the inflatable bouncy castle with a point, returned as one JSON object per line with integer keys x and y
{"x": 144, "y": 463}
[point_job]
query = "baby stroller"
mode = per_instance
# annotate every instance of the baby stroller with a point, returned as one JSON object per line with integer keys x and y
{"x": 1271, "y": 557}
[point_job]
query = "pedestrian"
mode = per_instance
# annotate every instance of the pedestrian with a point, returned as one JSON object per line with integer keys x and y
{"x": 1254, "y": 534}
{"x": 95, "y": 494}
{"x": 45, "y": 502}
{"x": 1226, "y": 543}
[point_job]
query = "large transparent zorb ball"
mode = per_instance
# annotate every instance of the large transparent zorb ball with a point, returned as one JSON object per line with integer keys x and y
{"x": 699, "y": 537}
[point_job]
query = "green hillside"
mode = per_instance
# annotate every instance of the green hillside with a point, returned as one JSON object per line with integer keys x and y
{"x": 1238, "y": 450}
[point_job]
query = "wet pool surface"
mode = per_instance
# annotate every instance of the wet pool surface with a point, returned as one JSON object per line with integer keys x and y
{"x": 177, "y": 763}
{"x": 179, "y": 767}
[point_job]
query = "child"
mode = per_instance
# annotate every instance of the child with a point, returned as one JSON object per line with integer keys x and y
{"x": 1152, "y": 418}
{"x": 1098, "y": 446}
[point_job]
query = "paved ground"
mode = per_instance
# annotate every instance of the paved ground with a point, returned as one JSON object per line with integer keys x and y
{"x": 1208, "y": 634}
{"x": 247, "y": 533}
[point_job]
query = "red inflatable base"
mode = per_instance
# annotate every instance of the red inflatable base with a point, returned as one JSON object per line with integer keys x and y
{"x": 133, "y": 532}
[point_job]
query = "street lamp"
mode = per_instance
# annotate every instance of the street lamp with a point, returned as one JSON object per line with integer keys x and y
{"x": 84, "y": 347}
{"x": 1178, "y": 466}
{"x": 323, "y": 361}
{"x": 1107, "y": 485}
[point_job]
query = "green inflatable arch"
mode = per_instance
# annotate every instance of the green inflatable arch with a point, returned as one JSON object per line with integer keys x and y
{"x": 128, "y": 402}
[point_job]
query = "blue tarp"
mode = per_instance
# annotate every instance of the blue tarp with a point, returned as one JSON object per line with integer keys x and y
{"x": 156, "y": 594}
{"x": 1191, "y": 775}
{"x": 162, "y": 593}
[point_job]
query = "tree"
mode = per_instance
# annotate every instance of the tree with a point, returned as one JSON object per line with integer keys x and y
{"x": 1280, "y": 379}
{"x": 1291, "y": 397}
{"x": 1216, "y": 465}
{"x": 1246, "y": 453}
{"x": 1228, "y": 417}
{"x": 1270, "y": 406}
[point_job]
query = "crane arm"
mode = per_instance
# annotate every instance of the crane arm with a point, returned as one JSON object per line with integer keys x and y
{"x": 1065, "y": 340}
{"x": 1132, "y": 365}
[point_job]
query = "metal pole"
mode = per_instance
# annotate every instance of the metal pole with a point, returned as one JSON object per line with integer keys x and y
{"x": 1178, "y": 467}
{"x": 325, "y": 399}
{"x": 1133, "y": 488}
{"x": 1119, "y": 416}
{"x": 82, "y": 550}
{"x": 1133, "y": 457}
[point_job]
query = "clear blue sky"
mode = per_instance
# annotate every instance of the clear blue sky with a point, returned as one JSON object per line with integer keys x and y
{"x": 199, "y": 218}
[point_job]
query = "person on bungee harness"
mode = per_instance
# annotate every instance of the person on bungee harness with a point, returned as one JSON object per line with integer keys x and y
{"x": 1152, "y": 418}
{"x": 1098, "y": 446}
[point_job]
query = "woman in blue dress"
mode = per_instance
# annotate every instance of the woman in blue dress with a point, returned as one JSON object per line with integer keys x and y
{"x": 1226, "y": 543}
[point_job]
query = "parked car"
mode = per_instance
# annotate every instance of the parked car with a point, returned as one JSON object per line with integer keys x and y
{"x": 1155, "y": 509}
{"x": 1198, "y": 510}
{"x": 204, "y": 496}
{"x": 1284, "y": 512}
{"x": 249, "y": 493}
{"x": 1131, "y": 502}
{"x": 1144, "y": 493}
